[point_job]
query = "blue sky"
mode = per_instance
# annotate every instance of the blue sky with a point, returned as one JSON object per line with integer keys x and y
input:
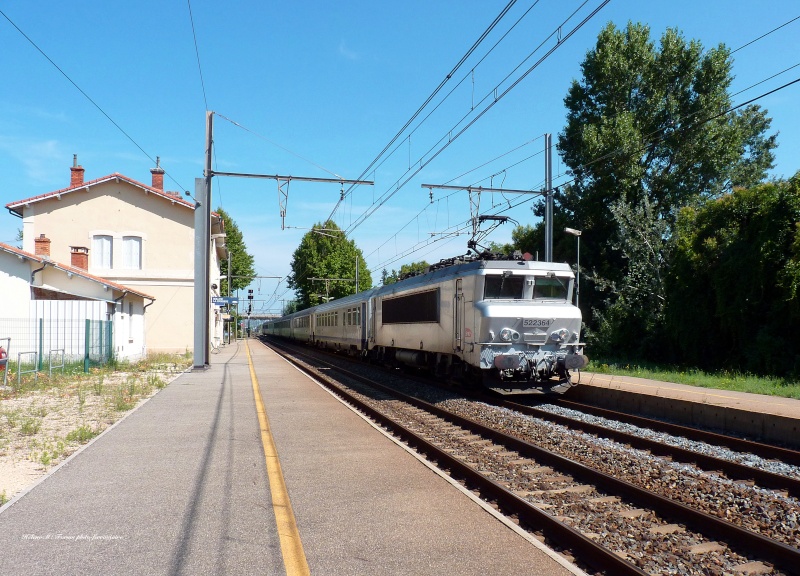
{"x": 320, "y": 88}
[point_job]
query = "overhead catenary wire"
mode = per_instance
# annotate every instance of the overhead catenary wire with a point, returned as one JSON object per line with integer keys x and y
{"x": 441, "y": 85}
{"x": 606, "y": 155}
{"x": 470, "y": 74}
{"x": 764, "y": 35}
{"x": 463, "y": 225}
{"x": 394, "y": 188}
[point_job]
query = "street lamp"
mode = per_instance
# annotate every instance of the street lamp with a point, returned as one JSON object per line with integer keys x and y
{"x": 577, "y": 234}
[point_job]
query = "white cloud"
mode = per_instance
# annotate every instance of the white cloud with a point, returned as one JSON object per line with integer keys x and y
{"x": 347, "y": 52}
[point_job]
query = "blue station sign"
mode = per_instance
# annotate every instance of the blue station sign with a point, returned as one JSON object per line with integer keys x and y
{"x": 224, "y": 300}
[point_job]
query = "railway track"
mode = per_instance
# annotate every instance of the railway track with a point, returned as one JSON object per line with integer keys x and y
{"x": 616, "y": 509}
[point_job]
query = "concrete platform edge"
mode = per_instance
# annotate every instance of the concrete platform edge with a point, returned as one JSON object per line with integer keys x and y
{"x": 755, "y": 425}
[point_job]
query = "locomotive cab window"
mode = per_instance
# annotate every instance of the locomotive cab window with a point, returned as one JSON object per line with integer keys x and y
{"x": 503, "y": 287}
{"x": 550, "y": 288}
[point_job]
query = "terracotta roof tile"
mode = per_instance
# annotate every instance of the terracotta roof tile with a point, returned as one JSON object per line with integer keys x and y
{"x": 176, "y": 198}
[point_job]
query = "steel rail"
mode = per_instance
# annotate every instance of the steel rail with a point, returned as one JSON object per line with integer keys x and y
{"x": 733, "y": 470}
{"x": 783, "y": 555}
{"x": 740, "y": 444}
{"x": 590, "y": 552}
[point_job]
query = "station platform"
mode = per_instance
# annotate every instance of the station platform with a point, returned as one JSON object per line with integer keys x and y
{"x": 760, "y": 417}
{"x": 250, "y": 467}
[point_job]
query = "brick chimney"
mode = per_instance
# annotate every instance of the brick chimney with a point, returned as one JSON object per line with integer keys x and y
{"x": 76, "y": 173}
{"x": 79, "y": 257}
{"x": 42, "y": 245}
{"x": 158, "y": 175}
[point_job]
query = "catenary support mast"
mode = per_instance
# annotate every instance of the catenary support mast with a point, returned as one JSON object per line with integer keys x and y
{"x": 202, "y": 238}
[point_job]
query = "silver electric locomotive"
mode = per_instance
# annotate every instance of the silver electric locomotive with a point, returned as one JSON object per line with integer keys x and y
{"x": 508, "y": 325}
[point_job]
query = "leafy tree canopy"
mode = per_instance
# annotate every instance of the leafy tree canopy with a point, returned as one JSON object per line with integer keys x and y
{"x": 242, "y": 270}
{"x": 405, "y": 270}
{"x": 326, "y": 253}
{"x": 734, "y": 284}
{"x": 649, "y": 123}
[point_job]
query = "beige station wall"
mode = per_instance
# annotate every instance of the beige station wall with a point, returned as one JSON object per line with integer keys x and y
{"x": 117, "y": 209}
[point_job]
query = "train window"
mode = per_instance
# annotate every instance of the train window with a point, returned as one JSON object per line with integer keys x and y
{"x": 503, "y": 287}
{"x": 550, "y": 288}
{"x": 412, "y": 308}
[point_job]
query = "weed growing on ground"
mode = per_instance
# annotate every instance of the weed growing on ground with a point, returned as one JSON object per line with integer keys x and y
{"x": 98, "y": 386}
{"x": 12, "y": 417}
{"x": 122, "y": 402}
{"x": 82, "y": 434}
{"x": 155, "y": 381}
{"x": 132, "y": 380}
{"x": 52, "y": 450}
{"x": 30, "y": 426}
{"x": 3, "y": 497}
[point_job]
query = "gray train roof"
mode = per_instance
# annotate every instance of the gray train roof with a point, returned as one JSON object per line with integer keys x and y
{"x": 437, "y": 275}
{"x": 471, "y": 268}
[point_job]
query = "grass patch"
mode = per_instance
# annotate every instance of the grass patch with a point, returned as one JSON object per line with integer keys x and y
{"x": 12, "y": 417}
{"x": 3, "y": 497}
{"x": 30, "y": 426}
{"x": 722, "y": 380}
{"x": 121, "y": 401}
{"x": 155, "y": 381}
{"x": 50, "y": 452}
{"x": 82, "y": 435}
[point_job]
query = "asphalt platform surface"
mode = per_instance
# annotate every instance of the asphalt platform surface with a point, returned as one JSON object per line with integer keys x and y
{"x": 180, "y": 487}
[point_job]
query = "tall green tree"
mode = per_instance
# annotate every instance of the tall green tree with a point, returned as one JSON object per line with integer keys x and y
{"x": 649, "y": 130}
{"x": 734, "y": 284}
{"x": 242, "y": 270}
{"x": 326, "y": 253}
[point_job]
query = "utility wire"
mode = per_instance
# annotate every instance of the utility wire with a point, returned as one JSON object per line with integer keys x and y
{"x": 396, "y": 187}
{"x": 433, "y": 94}
{"x": 254, "y": 133}
{"x": 85, "y": 95}
{"x": 765, "y": 35}
{"x": 197, "y": 53}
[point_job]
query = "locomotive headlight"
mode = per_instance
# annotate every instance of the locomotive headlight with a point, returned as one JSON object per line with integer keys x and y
{"x": 561, "y": 335}
{"x": 505, "y": 334}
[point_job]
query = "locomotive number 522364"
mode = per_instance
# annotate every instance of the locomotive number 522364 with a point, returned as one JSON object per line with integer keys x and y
{"x": 536, "y": 323}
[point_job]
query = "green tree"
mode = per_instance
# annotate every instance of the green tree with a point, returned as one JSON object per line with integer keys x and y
{"x": 326, "y": 253}
{"x": 649, "y": 131}
{"x": 632, "y": 316}
{"x": 242, "y": 270}
{"x": 734, "y": 285}
{"x": 405, "y": 271}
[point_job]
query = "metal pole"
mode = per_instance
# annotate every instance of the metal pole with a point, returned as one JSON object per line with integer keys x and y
{"x": 200, "y": 290}
{"x": 548, "y": 211}
{"x": 229, "y": 293}
{"x": 202, "y": 242}
{"x": 578, "y": 277}
{"x": 577, "y": 234}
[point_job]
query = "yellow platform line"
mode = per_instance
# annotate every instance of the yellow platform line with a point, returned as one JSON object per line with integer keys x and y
{"x": 294, "y": 559}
